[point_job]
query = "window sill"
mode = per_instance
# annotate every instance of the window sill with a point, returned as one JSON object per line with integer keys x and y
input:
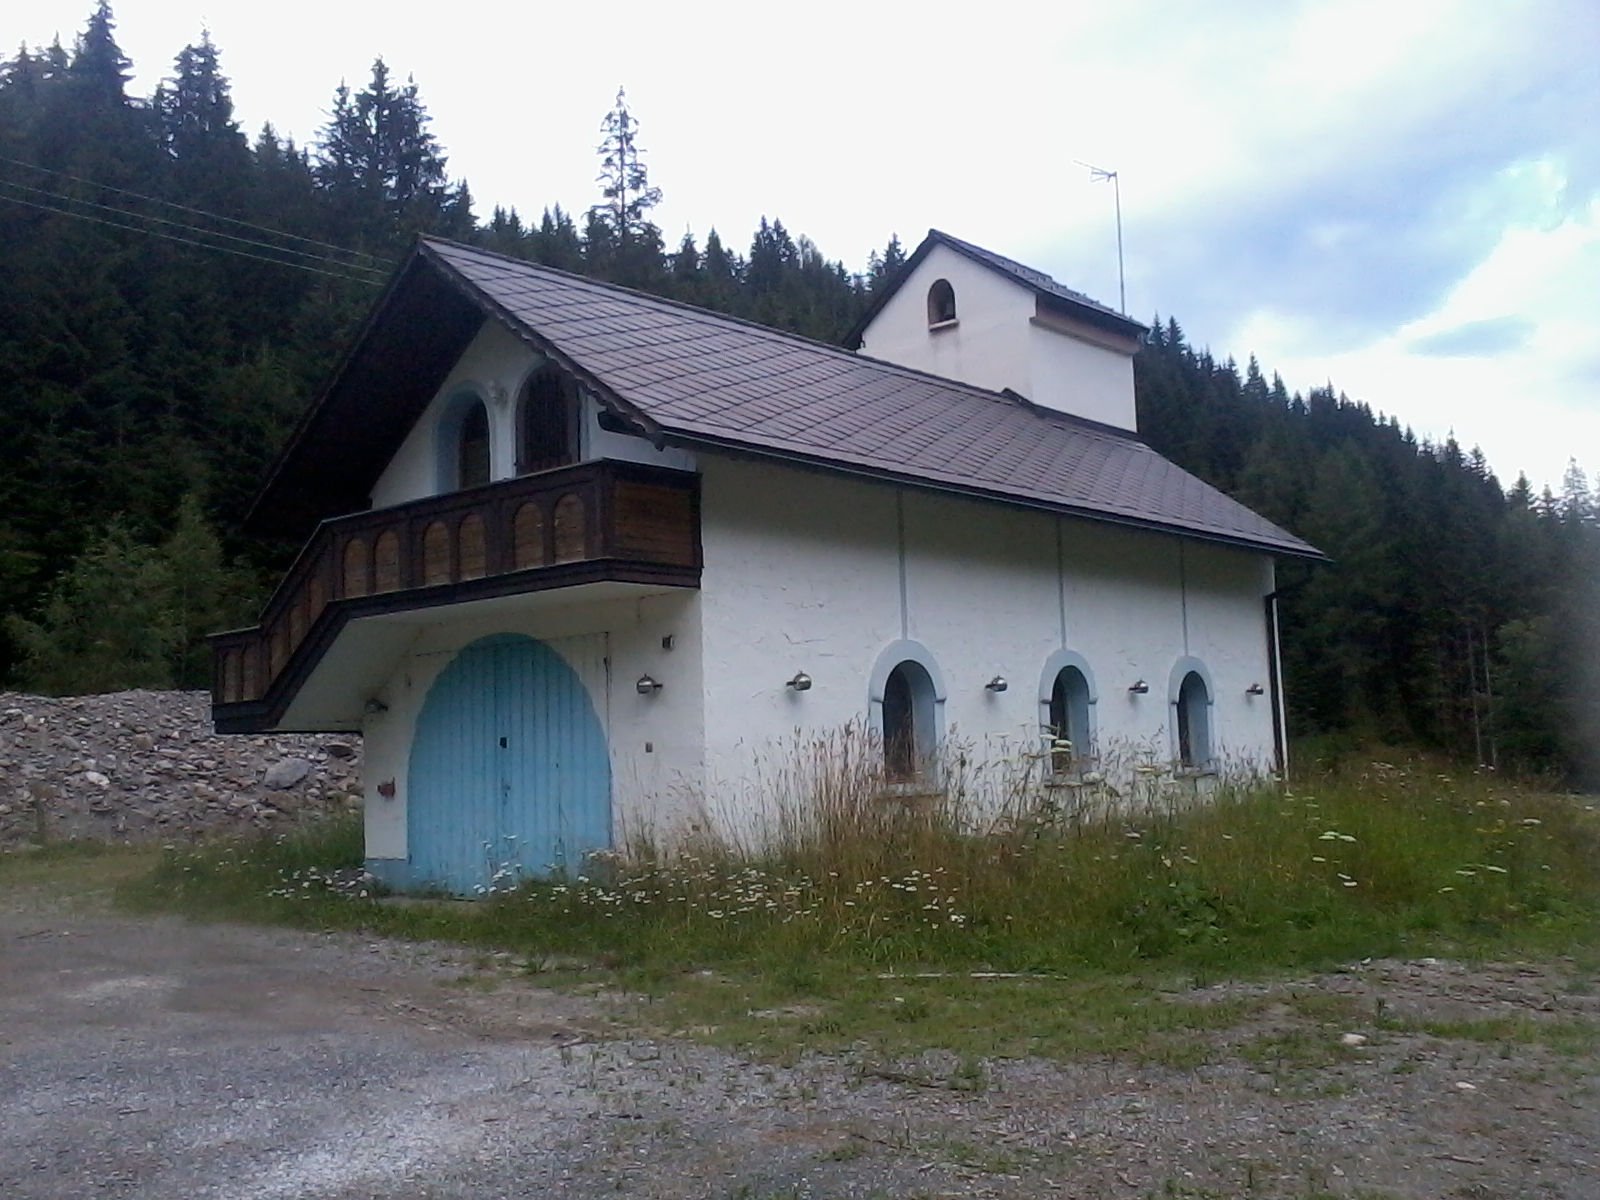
{"x": 940, "y": 326}
{"x": 1074, "y": 779}
{"x": 1204, "y": 772}
{"x": 909, "y": 790}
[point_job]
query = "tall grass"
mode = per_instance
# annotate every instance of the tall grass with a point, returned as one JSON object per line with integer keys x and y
{"x": 996, "y": 868}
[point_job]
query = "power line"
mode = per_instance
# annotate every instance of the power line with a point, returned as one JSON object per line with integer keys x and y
{"x": 195, "y": 229}
{"x": 197, "y": 211}
{"x": 277, "y": 262}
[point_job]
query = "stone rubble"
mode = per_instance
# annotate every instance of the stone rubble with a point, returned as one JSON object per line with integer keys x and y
{"x": 149, "y": 766}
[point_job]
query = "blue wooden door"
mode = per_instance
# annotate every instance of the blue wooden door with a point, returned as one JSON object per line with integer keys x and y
{"x": 510, "y": 774}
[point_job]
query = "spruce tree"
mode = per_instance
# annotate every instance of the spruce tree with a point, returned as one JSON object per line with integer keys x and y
{"x": 381, "y": 169}
{"x": 621, "y": 242}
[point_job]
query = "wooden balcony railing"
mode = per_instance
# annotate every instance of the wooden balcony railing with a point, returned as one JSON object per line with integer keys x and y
{"x": 596, "y": 520}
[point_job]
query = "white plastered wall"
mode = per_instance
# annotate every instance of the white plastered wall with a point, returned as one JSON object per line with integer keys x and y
{"x": 1075, "y": 376}
{"x": 996, "y": 343}
{"x": 656, "y": 741}
{"x": 818, "y": 573}
{"x": 494, "y": 367}
{"x": 987, "y": 346}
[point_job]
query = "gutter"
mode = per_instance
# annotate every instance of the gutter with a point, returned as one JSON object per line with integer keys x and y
{"x": 923, "y": 483}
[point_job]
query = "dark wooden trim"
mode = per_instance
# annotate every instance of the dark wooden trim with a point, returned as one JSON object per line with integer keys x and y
{"x": 257, "y": 671}
{"x": 256, "y": 716}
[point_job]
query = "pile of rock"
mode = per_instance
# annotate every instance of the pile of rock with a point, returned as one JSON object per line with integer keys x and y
{"x": 139, "y": 766}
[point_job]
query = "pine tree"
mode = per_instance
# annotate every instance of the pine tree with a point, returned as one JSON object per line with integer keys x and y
{"x": 99, "y": 68}
{"x": 881, "y": 268}
{"x": 195, "y": 108}
{"x": 624, "y": 180}
{"x": 382, "y": 170}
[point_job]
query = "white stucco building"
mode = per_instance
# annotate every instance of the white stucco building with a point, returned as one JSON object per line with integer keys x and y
{"x": 576, "y": 557}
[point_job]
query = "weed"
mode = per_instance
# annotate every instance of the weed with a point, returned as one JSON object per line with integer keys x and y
{"x": 1013, "y": 917}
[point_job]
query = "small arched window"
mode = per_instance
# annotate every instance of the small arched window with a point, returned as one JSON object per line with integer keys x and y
{"x": 941, "y": 302}
{"x": 1069, "y": 721}
{"x": 1194, "y": 722}
{"x": 472, "y": 450}
{"x": 463, "y": 443}
{"x": 908, "y": 722}
{"x": 547, "y": 422}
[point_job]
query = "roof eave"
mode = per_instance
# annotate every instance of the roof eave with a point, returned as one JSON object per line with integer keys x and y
{"x": 253, "y": 516}
{"x": 691, "y": 439}
{"x": 610, "y": 398}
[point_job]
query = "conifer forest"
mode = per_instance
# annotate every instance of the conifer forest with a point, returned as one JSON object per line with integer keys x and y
{"x": 175, "y": 290}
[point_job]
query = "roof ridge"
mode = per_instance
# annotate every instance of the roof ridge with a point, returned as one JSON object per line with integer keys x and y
{"x": 997, "y": 396}
{"x": 606, "y": 285}
{"x": 1031, "y": 276}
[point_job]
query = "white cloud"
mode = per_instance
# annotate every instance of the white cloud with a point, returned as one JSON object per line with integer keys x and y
{"x": 1328, "y": 183}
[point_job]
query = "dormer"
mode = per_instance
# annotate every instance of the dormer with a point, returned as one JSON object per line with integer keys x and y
{"x": 962, "y": 312}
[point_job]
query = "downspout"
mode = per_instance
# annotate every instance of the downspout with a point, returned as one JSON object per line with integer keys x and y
{"x": 1280, "y": 721}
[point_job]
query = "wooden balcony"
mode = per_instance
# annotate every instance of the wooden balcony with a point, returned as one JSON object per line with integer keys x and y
{"x": 596, "y": 521}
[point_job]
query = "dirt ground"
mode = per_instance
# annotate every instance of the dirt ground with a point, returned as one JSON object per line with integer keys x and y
{"x": 157, "y": 1058}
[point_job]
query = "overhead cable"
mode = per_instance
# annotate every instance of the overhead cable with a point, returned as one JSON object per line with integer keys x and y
{"x": 171, "y": 237}
{"x": 197, "y": 211}
{"x": 194, "y": 229}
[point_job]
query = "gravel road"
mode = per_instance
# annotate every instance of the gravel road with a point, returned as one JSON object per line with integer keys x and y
{"x": 156, "y": 1058}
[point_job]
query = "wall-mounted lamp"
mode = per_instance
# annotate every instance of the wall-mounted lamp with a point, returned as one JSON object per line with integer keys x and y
{"x": 997, "y": 684}
{"x": 374, "y": 707}
{"x": 1255, "y": 689}
{"x": 1139, "y": 687}
{"x": 800, "y": 683}
{"x": 647, "y": 686}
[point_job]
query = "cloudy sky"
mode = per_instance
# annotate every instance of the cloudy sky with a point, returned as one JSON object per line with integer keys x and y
{"x": 1399, "y": 196}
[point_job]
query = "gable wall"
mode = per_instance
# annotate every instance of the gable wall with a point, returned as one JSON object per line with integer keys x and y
{"x": 494, "y": 359}
{"x": 987, "y": 347}
{"x": 996, "y": 343}
{"x": 803, "y": 572}
{"x": 494, "y": 367}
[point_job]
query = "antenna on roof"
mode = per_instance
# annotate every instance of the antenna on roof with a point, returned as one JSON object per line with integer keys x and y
{"x": 1101, "y": 175}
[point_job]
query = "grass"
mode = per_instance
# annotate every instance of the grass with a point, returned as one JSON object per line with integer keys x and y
{"x": 1042, "y": 927}
{"x": 74, "y": 875}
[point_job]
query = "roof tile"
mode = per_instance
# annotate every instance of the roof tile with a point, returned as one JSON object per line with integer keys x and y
{"x": 703, "y": 376}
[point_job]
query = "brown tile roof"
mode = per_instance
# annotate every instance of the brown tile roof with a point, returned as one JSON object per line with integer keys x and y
{"x": 699, "y": 377}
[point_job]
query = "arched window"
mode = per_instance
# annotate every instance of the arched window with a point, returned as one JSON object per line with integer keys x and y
{"x": 1194, "y": 722}
{"x": 472, "y": 450}
{"x": 908, "y": 719}
{"x": 547, "y": 422}
{"x": 1069, "y": 721}
{"x": 941, "y": 302}
{"x": 463, "y": 443}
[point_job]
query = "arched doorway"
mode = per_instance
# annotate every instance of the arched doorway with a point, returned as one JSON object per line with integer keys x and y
{"x": 510, "y": 774}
